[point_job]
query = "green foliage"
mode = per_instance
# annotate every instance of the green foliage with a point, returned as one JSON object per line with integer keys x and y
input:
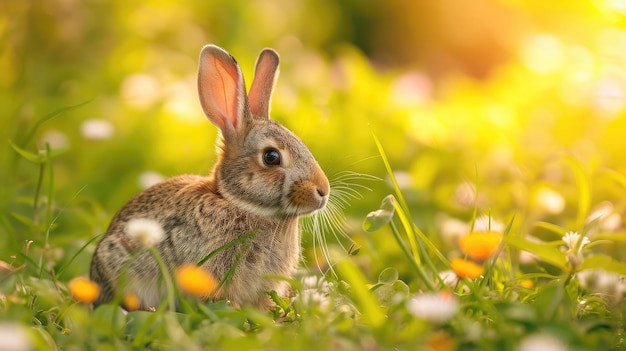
{"x": 549, "y": 254}
{"x": 509, "y": 113}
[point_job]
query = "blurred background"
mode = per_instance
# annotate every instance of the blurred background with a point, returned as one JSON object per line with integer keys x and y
{"x": 473, "y": 101}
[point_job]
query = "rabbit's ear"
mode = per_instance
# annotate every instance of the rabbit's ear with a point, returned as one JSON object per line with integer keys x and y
{"x": 265, "y": 75}
{"x": 222, "y": 89}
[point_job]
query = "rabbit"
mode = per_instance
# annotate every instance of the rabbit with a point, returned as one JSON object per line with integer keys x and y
{"x": 264, "y": 179}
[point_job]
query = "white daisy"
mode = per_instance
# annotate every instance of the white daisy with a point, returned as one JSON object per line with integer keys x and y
{"x": 149, "y": 178}
{"x": 450, "y": 279}
{"x": 571, "y": 240}
{"x": 610, "y": 286}
{"x": 97, "y": 129}
{"x": 433, "y": 307}
{"x": 541, "y": 341}
{"x": 315, "y": 292}
{"x": 14, "y": 337}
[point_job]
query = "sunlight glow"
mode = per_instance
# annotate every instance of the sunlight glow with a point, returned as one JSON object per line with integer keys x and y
{"x": 181, "y": 101}
{"x": 549, "y": 200}
{"x": 543, "y": 53}
{"x": 410, "y": 89}
{"x": 140, "y": 90}
{"x": 610, "y": 98}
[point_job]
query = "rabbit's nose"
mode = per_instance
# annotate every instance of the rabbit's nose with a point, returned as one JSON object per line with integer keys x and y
{"x": 321, "y": 192}
{"x": 321, "y": 183}
{"x": 323, "y": 197}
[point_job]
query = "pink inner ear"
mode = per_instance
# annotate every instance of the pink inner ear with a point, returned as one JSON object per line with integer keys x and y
{"x": 223, "y": 84}
{"x": 220, "y": 86}
{"x": 265, "y": 74}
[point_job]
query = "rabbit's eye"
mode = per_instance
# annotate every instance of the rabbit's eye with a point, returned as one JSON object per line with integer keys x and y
{"x": 271, "y": 157}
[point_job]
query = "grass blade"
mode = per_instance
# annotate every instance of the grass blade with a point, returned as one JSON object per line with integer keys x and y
{"x": 50, "y": 116}
{"x": 226, "y": 246}
{"x": 27, "y": 155}
{"x": 367, "y": 302}
{"x": 405, "y": 214}
{"x": 605, "y": 263}
{"x": 584, "y": 192}
{"x": 68, "y": 263}
{"x": 547, "y": 253}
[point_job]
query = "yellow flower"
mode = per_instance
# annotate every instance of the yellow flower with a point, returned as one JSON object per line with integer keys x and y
{"x": 131, "y": 302}
{"x": 84, "y": 290}
{"x": 466, "y": 269}
{"x": 196, "y": 280}
{"x": 480, "y": 245}
{"x": 528, "y": 284}
{"x": 441, "y": 341}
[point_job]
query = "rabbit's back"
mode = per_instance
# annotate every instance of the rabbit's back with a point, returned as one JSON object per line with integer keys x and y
{"x": 195, "y": 221}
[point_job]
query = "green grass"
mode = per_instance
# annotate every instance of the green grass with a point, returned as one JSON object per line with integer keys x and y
{"x": 463, "y": 142}
{"x": 347, "y": 310}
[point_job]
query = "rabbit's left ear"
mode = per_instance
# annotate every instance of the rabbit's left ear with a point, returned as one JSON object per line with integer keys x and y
{"x": 222, "y": 89}
{"x": 265, "y": 75}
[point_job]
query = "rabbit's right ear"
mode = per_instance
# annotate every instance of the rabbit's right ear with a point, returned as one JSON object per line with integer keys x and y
{"x": 222, "y": 89}
{"x": 265, "y": 74}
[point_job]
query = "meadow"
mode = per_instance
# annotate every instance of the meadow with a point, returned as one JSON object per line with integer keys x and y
{"x": 478, "y": 173}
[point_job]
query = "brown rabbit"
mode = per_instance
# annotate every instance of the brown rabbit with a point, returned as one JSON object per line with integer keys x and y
{"x": 264, "y": 178}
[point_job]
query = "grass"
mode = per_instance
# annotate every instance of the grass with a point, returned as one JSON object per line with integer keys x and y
{"x": 568, "y": 296}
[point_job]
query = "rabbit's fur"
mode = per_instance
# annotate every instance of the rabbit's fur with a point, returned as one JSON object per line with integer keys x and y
{"x": 246, "y": 192}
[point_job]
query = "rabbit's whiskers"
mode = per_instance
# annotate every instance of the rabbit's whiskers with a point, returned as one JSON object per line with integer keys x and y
{"x": 345, "y": 187}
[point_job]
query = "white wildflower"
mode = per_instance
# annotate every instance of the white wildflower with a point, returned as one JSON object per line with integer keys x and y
{"x": 571, "y": 239}
{"x": 14, "y": 337}
{"x": 541, "y": 341}
{"x": 433, "y": 307}
{"x": 612, "y": 222}
{"x": 527, "y": 257}
{"x": 600, "y": 211}
{"x": 550, "y": 201}
{"x": 449, "y": 278}
{"x": 144, "y": 232}
{"x": 574, "y": 248}
{"x": 149, "y": 178}
{"x": 96, "y": 129}
{"x": 309, "y": 282}
{"x": 485, "y": 223}
{"x": 610, "y": 286}
{"x": 465, "y": 194}
{"x": 56, "y": 139}
{"x": 607, "y": 218}
{"x": 403, "y": 179}
{"x": 315, "y": 292}
{"x": 451, "y": 228}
